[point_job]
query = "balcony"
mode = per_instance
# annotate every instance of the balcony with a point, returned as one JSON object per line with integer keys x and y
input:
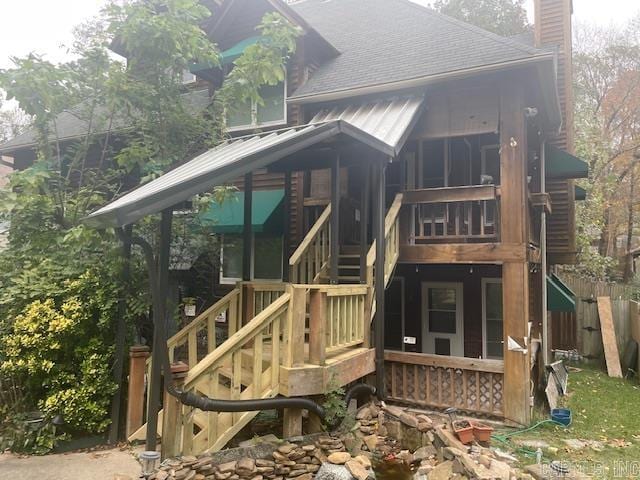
{"x": 454, "y": 225}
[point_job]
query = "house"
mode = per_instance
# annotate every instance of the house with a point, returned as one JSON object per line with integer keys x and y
{"x": 402, "y": 197}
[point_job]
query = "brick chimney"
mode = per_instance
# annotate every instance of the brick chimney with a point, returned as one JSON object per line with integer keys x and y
{"x": 553, "y": 30}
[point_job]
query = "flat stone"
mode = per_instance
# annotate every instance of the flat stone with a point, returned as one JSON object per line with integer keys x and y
{"x": 424, "y": 453}
{"x": 409, "y": 420}
{"x": 443, "y": 471}
{"x": 364, "y": 461}
{"x": 393, "y": 428}
{"x": 371, "y": 442}
{"x": 575, "y": 444}
{"x": 329, "y": 471}
{"x": 364, "y": 414}
{"x": 245, "y": 465}
{"x": 394, "y": 411}
{"x": 357, "y": 470}
{"x": 228, "y": 467}
{"x": 339, "y": 458}
{"x": 535, "y": 444}
{"x": 286, "y": 449}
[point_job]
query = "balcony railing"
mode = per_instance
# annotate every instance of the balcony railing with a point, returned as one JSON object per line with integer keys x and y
{"x": 452, "y": 214}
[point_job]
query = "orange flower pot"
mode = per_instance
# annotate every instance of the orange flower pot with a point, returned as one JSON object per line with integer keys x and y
{"x": 482, "y": 432}
{"x": 464, "y": 431}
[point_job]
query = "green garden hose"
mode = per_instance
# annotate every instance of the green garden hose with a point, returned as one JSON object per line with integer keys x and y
{"x": 528, "y": 452}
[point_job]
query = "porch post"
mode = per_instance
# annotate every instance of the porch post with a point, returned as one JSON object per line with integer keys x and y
{"x": 546, "y": 347}
{"x": 160, "y": 313}
{"x": 121, "y": 333}
{"x": 364, "y": 219}
{"x": 247, "y": 231}
{"x": 286, "y": 239}
{"x": 378, "y": 225}
{"x": 335, "y": 219}
{"x": 513, "y": 230}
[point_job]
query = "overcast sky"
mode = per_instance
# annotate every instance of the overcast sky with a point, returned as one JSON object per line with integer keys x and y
{"x": 45, "y": 25}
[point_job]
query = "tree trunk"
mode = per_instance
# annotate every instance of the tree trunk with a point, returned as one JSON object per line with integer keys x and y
{"x": 628, "y": 264}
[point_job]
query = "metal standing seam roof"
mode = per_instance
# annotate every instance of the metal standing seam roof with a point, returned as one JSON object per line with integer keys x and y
{"x": 382, "y": 126}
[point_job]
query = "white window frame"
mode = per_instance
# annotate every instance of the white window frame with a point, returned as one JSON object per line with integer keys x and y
{"x": 483, "y": 171}
{"x": 485, "y": 281}
{"x": 254, "y": 115}
{"x": 233, "y": 280}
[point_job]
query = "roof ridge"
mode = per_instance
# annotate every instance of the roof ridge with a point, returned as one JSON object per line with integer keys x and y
{"x": 494, "y": 36}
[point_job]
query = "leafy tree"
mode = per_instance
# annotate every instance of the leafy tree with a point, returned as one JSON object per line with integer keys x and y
{"x": 504, "y": 17}
{"x": 60, "y": 281}
{"x": 607, "y": 118}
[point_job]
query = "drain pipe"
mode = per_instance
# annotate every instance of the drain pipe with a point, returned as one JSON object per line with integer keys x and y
{"x": 199, "y": 401}
{"x": 543, "y": 257}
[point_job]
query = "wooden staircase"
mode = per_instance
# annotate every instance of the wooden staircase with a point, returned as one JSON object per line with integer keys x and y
{"x": 287, "y": 339}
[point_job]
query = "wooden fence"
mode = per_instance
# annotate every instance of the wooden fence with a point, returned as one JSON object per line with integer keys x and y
{"x": 581, "y": 330}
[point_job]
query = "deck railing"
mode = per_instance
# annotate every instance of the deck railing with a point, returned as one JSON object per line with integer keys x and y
{"x": 230, "y": 373}
{"x": 438, "y": 381}
{"x": 336, "y": 319}
{"x": 453, "y": 214}
{"x": 311, "y": 259}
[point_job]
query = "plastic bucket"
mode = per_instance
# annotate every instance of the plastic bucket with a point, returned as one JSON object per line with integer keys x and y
{"x": 562, "y": 416}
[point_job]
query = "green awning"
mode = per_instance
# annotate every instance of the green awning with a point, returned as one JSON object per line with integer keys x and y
{"x": 560, "y": 298}
{"x": 266, "y": 214}
{"x": 581, "y": 193}
{"x": 561, "y": 164}
{"x": 228, "y": 56}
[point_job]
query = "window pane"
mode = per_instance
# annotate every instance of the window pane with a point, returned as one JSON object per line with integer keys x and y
{"x": 494, "y": 330}
{"x": 442, "y": 298}
{"x": 267, "y": 263}
{"x": 494, "y": 300}
{"x": 273, "y": 108}
{"x": 495, "y": 350}
{"x": 239, "y": 114}
{"x": 232, "y": 256}
{"x": 442, "y": 322}
{"x": 443, "y": 346}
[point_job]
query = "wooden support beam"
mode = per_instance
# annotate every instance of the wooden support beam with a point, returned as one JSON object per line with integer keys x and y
{"x": 138, "y": 355}
{"x": 514, "y": 224}
{"x": 494, "y": 253}
{"x": 379, "y": 285}
{"x": 161, "y": 315}
{"x": 292, "y": 422}
{"x": 172, "y": 415}
{"x": 335, "y": 219}
{"x": 247, "y": 231}
{"x": 317, "y": 322}
{"x": 364, "y": 221}
{"x": 294, "y": 353}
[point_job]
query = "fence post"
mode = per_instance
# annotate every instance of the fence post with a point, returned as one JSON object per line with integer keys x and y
{"x": 317, "y": 322}
{"x": 138, "y": 355}
{"x": 172, "y": 414}
{"x": 294, "y": 355}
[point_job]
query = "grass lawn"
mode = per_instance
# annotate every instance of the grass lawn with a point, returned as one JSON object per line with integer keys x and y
{"x": 606, "y": 416}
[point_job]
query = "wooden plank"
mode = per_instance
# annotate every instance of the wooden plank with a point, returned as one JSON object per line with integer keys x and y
{"x": 496, "y": 253}
{"x": 463, "y": 363}
{"x": 609, "y": 337}
{"x": 317, "y": 323}
{"x": 449, "y": 194}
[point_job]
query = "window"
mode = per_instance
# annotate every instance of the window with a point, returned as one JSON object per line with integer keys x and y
{"x": 492, "y": 316}
{"x": 250, "y": 114}
{"x": 266, "y": 262}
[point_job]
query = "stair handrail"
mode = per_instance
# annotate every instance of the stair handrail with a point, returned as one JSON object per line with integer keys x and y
{"x": 238, "y": 340}
{"x": 390, "y": 220}
{"x": 321, "y": 227}
{"x": 392, "y": 250}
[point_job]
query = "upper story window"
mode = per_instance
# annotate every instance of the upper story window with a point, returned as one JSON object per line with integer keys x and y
{"x": 250, "y": 114}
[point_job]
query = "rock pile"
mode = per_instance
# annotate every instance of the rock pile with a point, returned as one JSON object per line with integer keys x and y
{"x": 423, "y": 446}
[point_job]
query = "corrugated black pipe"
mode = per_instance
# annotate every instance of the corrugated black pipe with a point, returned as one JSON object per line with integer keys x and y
{"x": 199, "y": 401}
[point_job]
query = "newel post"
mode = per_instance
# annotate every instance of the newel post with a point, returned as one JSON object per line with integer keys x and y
{"x": 317, "y": 322}
{"x": 138, "y": 355}
{"x": 172, "y": 414}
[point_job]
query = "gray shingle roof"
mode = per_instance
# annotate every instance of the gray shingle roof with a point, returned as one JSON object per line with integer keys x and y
{"x": 387, "y": 41}
{"x": 73, "y": 123}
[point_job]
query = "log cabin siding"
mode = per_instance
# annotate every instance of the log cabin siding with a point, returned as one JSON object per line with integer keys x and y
{"x": 553, "y": 29}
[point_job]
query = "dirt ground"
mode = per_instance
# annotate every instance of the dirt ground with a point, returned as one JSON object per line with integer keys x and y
{"x": 98, "y": 465}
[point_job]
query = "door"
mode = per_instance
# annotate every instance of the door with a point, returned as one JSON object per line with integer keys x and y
{"x": 394, "y": 315}
{"x": 442, "y": 319}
